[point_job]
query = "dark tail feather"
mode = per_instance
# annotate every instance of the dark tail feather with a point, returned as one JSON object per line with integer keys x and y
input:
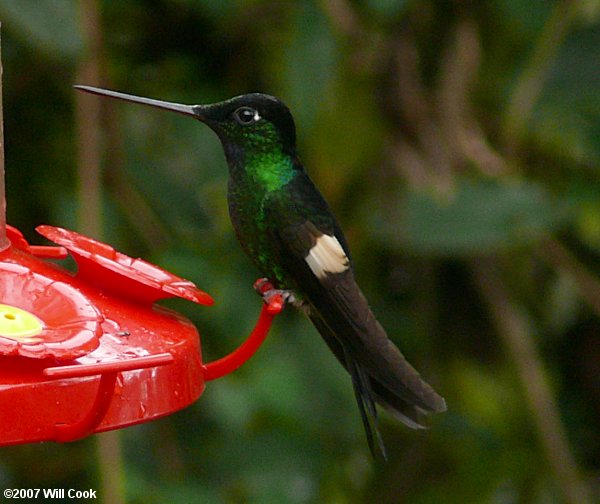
{"x": 368, "y": 391}
{"x": 366, "y": 406}
{"x": 410, "y": 415}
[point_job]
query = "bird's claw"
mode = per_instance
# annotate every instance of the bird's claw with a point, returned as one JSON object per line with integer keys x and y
{"x": 275, "y": 299}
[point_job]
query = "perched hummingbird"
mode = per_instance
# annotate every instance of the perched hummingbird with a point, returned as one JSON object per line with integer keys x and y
{"x": 286, "y": 227}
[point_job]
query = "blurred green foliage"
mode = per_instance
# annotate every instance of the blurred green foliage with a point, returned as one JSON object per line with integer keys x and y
{"x": 442, "y": 132}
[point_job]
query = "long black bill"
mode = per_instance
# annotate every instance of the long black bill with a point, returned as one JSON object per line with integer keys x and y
{"x": 189, "y": 110}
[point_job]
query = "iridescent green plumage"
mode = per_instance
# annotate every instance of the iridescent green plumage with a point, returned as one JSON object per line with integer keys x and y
{"x": 259, "y": 172}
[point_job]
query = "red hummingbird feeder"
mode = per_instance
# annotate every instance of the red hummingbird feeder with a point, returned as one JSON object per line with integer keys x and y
{"x": 90, "y": 352}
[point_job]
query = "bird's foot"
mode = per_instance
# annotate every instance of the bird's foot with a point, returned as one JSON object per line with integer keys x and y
{"x": 275, "y": 299}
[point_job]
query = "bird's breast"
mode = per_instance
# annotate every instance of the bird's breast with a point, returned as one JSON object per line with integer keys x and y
{"x": 247, "y": 211}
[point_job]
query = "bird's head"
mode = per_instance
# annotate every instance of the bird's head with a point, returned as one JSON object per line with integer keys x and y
{"x": 253, "y": 122}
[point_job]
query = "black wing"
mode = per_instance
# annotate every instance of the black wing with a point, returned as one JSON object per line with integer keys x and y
{"x": 339, "y": 310}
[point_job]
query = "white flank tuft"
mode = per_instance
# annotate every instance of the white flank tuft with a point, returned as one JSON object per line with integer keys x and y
{"x": 327, "y": 256}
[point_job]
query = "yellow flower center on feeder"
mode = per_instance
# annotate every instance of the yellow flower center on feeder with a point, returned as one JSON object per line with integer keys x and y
{"x": 19, "y": 324}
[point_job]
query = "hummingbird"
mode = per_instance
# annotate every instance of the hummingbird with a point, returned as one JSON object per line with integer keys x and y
{"x": 286, "y": 227}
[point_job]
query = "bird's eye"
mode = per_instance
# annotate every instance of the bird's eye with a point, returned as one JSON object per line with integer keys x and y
{"x": 246, "y": 115}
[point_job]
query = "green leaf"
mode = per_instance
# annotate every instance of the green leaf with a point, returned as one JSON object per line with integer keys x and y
{"x": 480, "y": 217}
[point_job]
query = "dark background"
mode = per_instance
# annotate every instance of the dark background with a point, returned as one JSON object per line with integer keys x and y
{"x": 459, "y": 144}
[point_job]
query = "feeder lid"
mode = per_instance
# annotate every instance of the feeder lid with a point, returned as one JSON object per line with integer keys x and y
{"x": 102, "y": 265}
